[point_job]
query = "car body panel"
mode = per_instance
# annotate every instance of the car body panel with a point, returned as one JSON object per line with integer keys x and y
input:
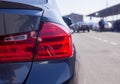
{"x": 12, "y": 21}
{"x": 53, "y": 72}
{"x": 14, "y": 73}
{"x": 29, "y": 72}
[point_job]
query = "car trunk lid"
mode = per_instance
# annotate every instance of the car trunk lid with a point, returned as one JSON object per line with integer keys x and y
{"x": 17, "y": 42}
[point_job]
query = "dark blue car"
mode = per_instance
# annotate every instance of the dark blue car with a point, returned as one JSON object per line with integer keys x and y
{"x": 35, "y": 43}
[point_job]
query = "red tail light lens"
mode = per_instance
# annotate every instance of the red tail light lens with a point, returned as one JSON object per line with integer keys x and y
{"x": 14, "y": 48}
{"x": 56, "y": 42}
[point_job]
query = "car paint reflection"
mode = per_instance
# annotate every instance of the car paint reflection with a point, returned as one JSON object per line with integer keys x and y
{"x": 11, "y": 73}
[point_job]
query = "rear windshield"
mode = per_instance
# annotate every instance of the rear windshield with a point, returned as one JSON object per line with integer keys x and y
{"x": 37, "y": 2}
{"x": 14, "y": 23}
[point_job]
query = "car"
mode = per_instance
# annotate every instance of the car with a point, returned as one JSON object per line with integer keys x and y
{"x": 35, "y": 43}
{"x": 90, "y": 24}
{"x": 95, "y": 27}
{"x": 116, "y": 26}
{"x": 82, "y": 26}
{"x": 107, "y": 27}
{"x": 73, "y": 26}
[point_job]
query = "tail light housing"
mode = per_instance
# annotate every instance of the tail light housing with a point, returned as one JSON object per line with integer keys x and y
{"x": 55, "y": 42}
{"x": 14, "y": 48}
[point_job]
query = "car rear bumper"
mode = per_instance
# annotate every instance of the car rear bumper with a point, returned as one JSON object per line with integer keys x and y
{"x": 51, "y": 72}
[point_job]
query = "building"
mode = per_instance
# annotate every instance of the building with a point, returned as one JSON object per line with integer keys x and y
{"x": 75, "y": 17}
{"x": 109, "y": 12}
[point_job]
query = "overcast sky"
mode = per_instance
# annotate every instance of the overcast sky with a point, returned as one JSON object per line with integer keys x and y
{"x": 84, "y": 7}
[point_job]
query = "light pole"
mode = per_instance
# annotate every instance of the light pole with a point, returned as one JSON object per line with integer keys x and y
{"x": 106, "y": 7}
{"x": 106, "y": 3}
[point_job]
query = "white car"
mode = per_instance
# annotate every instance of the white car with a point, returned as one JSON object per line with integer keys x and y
{"x": 107, "y": 27}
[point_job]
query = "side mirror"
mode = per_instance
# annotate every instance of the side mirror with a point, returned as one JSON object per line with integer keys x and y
{"x": 67, "y": 21}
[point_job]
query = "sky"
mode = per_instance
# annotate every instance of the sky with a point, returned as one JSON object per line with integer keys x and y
{"x": 84, "y": 7}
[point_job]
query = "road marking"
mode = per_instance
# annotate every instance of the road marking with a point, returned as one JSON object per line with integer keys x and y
{"x": 95, "y": 37}
{"x": 100, "y": 39}
{"x": 106, "y": 41}
{"x": 113, "y": 43}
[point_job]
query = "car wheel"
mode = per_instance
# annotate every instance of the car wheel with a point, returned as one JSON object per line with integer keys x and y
{"x": 88, "y": 30}
{"x": 77, "y": 31}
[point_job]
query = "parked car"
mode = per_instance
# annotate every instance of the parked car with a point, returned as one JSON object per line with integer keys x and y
{"x": 95, "y": 27}
{"x": 90, "y": 24}
{"x": 73, "y": 27}
{"x": 82, "y": 26}
{"x": 35, "y": 43}
{"x": 116, "y": 26}
{"x": 107, "y": 27}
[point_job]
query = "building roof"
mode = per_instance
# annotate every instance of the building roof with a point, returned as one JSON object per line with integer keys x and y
{"x": 74, "y": 14}
{"x": 114, "y": 10}
{"x": 75, "y": 17}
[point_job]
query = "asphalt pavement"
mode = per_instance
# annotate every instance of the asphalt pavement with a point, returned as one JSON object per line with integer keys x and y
{"x": 98, "y": 58}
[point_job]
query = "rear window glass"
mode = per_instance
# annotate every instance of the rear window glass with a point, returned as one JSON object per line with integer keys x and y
{"x": 29, "y": 1}
{"x": 14, "y": 23}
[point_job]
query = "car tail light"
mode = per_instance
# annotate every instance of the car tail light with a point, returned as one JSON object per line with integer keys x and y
{"x": 56, "y": 43}
{"x": 53, "y": 43}
{"x": 16, "y": 47}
